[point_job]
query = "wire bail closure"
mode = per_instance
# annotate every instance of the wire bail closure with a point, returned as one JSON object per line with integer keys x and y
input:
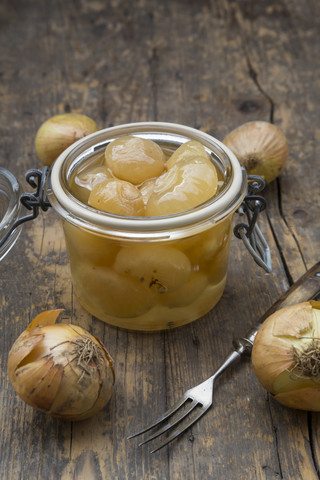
{"x": 250, "y": 233}
{"x": 31, "y": 201}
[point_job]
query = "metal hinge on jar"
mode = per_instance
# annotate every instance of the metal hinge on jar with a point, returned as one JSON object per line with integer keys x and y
{"x": 249, "y": 232}
{"x": 31, "y": 201}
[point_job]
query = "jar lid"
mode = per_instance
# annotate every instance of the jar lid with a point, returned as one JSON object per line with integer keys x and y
{"x": 165, "y": 134}
{"x": 10, "y": 208}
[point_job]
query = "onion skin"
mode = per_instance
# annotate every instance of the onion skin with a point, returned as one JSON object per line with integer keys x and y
{"x": 260, "y": 147}
{"x": 47, "y": 371}
{"x": 59, "y": 132}
{"x": 304, "y": 399}
{"x": 274, "y": 355}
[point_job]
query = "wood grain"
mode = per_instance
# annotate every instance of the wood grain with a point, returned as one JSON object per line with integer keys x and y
{"x": 210, "y": 64}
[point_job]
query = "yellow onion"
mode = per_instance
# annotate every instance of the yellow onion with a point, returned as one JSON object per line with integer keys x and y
{"x": 286, "y": 356}
{"x": 260, "y": 147}
{"x": 59, "y": 132}
{"x": 61, "y": 369}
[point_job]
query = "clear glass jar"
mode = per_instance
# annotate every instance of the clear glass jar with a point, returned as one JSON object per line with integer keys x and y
{"x": 148, "y": 273}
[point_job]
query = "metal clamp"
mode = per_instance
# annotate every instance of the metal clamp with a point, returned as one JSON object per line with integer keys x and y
{"x": 31, "y": 201}
{"x": 250, "y": 233}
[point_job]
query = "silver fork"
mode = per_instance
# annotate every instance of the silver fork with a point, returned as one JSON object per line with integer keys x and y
{"x": 306, "y": 288}
{"x": 200, "y": 397}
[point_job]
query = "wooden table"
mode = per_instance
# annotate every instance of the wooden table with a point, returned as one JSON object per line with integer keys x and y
{"x": 212, "y": 65}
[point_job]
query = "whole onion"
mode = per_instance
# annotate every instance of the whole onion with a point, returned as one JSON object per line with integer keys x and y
{"x": 61, "y": 369}
{"x": 260, "y": 147}
{"x": 59, "y": 132}
{"x": 286, "y": 355}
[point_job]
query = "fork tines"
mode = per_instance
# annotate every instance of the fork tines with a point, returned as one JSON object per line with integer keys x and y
{"x": 173, "y": 416}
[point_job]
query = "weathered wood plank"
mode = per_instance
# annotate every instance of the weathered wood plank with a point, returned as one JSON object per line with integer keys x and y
{"x": 208, "y": 64}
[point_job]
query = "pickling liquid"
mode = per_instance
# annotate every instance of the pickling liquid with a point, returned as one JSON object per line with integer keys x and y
{"x": 145, "y": 285}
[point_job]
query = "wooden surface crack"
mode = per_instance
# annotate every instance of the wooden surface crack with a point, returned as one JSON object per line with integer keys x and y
{"x": 312, "y": 446}
{"x": 281, "y": 254}
{"x": 283, "y": 216}
{"x": 275, "y": 437}
{"x": 253, "y": 74}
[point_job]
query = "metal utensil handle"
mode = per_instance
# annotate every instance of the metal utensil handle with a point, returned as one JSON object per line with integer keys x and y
{"x": 306, "y": 288}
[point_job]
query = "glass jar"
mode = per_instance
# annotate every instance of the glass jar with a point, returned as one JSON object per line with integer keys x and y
{"x": 148, "y": 273}
{"x": 142, "y": 273}
{"x": 10, "y": 210}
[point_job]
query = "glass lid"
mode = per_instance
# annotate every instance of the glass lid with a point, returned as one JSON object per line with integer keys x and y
{"x": 10, "y": 208}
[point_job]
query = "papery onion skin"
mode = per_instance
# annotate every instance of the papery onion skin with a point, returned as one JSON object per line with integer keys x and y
{"x": 260, "y": 147}
{"x": 59, "y": 132}
{"x": 61, "y": 369}
{"x": 281, "y": 341}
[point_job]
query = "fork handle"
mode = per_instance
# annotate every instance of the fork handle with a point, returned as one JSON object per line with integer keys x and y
{"x": 304, "y": 289}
